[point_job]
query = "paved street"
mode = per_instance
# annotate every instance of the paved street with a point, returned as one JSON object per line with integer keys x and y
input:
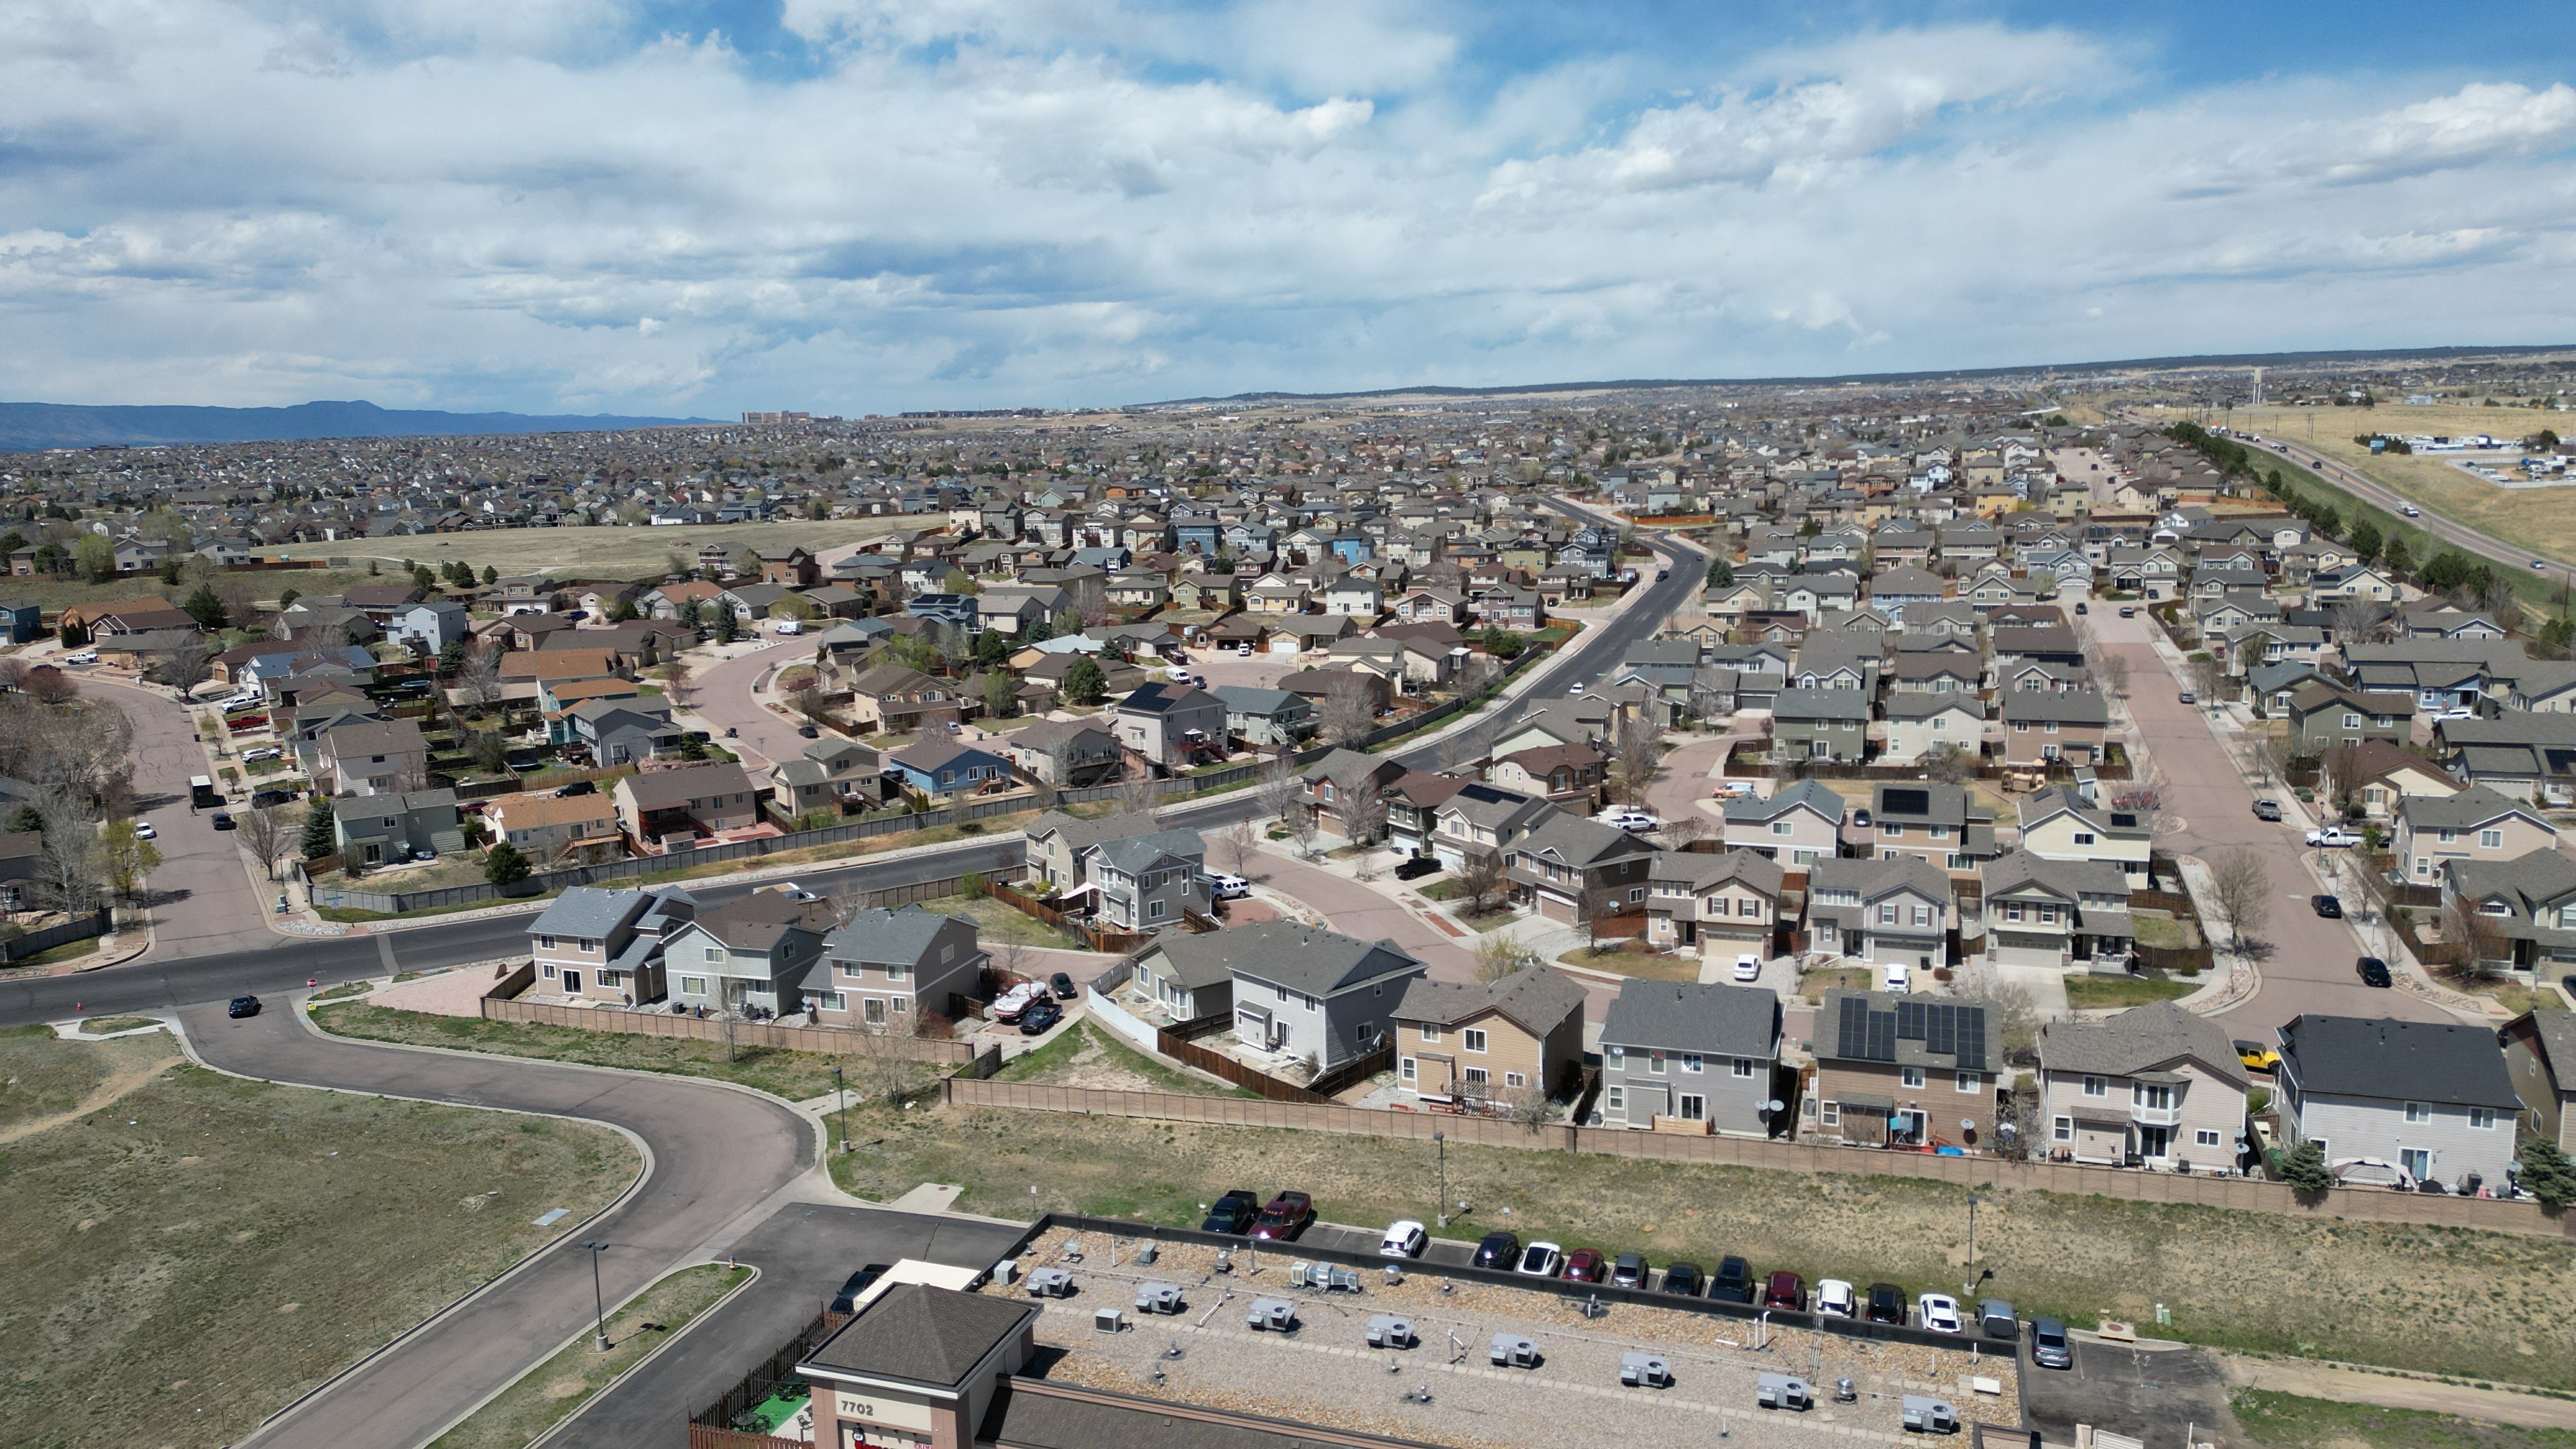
{"x": 2209, "y": 807}
{"x": 716, "y": 1155}
{"x": 203, "y": 896}
{"x": 721, "y": 696}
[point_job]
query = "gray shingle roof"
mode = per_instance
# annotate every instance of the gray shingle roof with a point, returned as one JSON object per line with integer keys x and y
{"x": 588, "y": 911}
{"x": 922, "y": 1334}
{"x": 1811, "y": 793}
{"x": 886, "y": 935}
{"x": 1536, "y": 998}
{"x": 1287, "y": 953}
{"x": 1713, "y": 1020}
{"x": 2137, "y": 1040}
{"x": 2416, "y": 1061}
{"x": 1136, "y": 854}
{"x": 2471, "y": 807}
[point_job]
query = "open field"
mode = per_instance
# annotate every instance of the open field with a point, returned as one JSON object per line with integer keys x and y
{"x": 796, "y": 1076}
{"x": 197, "y": 1255}
{"x": 264, "y": 586}
{"x": 616, "y": 551}
{"x": 1088, "y": 1057}
{"x": 1642, "y": 965}
{"x": 2540, "y": 519}
{"x": 555, "y": 1390}
{"x": 2453, "y": 1302}
{"x": 2289, "y": 1421}
{"x": 2086, "y": 993}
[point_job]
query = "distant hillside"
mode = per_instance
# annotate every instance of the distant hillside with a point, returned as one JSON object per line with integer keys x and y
{"x": 26, "y": 427}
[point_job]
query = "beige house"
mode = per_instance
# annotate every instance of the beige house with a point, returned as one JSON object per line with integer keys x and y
{"x": 2390, "y": 775}
{"x": 694, "y": 799}
{"x": 2154, "y": 1087}
{"x": 372, "y": 757}
{"x": 1475, "y": 1044}
{"x": 552, "y": 828}
{"x": 1723, "y": 904}
{"x": 1906, "y": 1070}
{"x": 2057, "y": 825}
{"x": 2476, "y": 824}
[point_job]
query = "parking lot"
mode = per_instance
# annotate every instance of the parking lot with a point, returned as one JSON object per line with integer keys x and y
{"x": 2153, "y": 1394}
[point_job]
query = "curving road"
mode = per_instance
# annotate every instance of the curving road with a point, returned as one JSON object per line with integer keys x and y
{"x": 718, "y": 1161}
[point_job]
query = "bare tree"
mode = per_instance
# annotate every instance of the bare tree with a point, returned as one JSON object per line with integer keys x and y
{"x": 1480, "y": 874}
{"x": 2240, "y": 895}
{"x": 1636, "y": 750}
{"x": 1137, "y": 788}
{"x": 1597, "y": 903}
{"x": 2113, "y": 670}
{"x": 1233, "y": 846}
{"x": 2485, "y": 951}
{"x": 2344, "y": 770}
{"x": 2205, "y": 672}
{"x": 480, "y": 676}
{"x": 1529, "y": 1106}
{"x": 1500, "y": 954}
{"x": 807, "y": 700}
{"x": 2018, "y": 1018}
{"x": 1686, "y": 830}
{"x": 1302, "y": 827}
{"x": 1707, "y": 701}
{"x": 1279, "y": 789}
{"x": 1347, "y": 714}
{"x": 265, "y": 831}
{"x": 188, "y": 663}
{"x": 2354, "y": 621}
{"x": 1359, "y": 808}
{"x": 1949, "y": 764}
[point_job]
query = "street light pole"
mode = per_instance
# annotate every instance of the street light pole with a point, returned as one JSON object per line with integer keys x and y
{"x": 1442, "y": 1138}
{"x": 1972, "y": 1245}
{"x": 843, "y": 1094}
{"x": 598, "y": 1305}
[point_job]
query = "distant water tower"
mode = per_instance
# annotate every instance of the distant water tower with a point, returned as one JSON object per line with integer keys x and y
{"x": 2258, "y": 387}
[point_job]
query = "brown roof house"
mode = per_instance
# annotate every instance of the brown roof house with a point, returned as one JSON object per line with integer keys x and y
{"x": 666, "y": 809}
{"x": 1490, "y": 1043}
{"x": 1907, "y": 1071}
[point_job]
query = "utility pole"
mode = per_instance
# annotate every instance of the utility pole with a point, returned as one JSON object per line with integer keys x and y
{"x": 1442, "y": 1138}
{"x": 843, "y": 1094}
{"x": 598, "y": 1305}
{"x": 1971, "y": 1290}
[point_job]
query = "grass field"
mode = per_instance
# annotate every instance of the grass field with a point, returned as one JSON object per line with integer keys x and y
{"x": 998, "y": 924}
{"x": 796, "y": 1076}
{"x": 2454, "y": 1302}
{"x": 2540, "y": 519}
{"x": 2288, "y": 1421}
{"x": 614, "y": 552}
{"x": 2088, "y": 993}
{"x": 555, "y": 1390}
{"x": 1088, "y": 1057}
{"x": 194, "y": 1256}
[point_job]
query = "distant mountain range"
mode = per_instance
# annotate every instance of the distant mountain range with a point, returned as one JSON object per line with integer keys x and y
{"x": 27, "y": 427}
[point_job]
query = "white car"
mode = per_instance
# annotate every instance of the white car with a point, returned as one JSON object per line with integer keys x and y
{"x": 1631, "y": 820}
{"x": 264, "y": 752}
{"x": 2414, "y": 512}
{"x": 1404, "y": 1239}
{"x": 1937, "y": 1313}
{"x": 1835, "y": 1299}
{"x": 1748, "y": 967}
{"x": 86, "y": 656}
{"x": 1228, "y": 887}
{"x": 1242, "y": 651}
{"x": 1540, "y": 1260}
{"x": 2333, "y": 837}
{"x": 145, "y": 830}
{"x": 2455, "y": 712}
{"x": 795, "y": 892}
{"x": 1896, "y": 976}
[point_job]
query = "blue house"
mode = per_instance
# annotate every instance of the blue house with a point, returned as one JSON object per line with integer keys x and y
{"x": 944, "y": 767}
{"x": 24, "y": 620}
{"x": 1198, "y": 536}
{"x": 1354, "y": 548}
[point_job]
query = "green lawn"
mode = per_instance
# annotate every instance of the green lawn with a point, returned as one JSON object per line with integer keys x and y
{"x": 2289, "y": 1421}
{"x": 998, "y": 923}
{"x": 2089, "y": 993}
{"x": 557, "y": 1389}
{"x": 56, "y": 955}
{"x": 2160, "y": 931}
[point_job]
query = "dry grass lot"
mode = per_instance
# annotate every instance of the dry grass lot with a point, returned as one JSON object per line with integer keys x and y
{"x": 194, "y": 1256}
{"x": 2289, "y": 1421}
{"x": 554, "y": 1390}
{"x": 2467, "y": 1303}
{"x": 2540, "y": 519}
{"x": 616, "y": 552}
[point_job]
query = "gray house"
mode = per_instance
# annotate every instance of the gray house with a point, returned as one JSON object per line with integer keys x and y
{"x": 1889, "y": 912}
{"x": 1060, "y": 845}
{"x": 382, "y": 829}
{"x": 1172, "y": 725}
{"x": 1311, "y": 995}
{"x": 1690, "y": 1053}
{"x": 1821, "y": 724}
{"x": 887, "y": 969}
{"x": 1266, "y": 716}
{"x": 1150, "y": 881}
{"x": 2398, "y": 1100}
{"x": 606, "y": 944}
{"x": 1189, "y": 976}
{"x": 752, "y": 952}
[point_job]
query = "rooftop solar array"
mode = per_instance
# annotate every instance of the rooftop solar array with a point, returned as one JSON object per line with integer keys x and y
{"x": 1946, "y": 1029}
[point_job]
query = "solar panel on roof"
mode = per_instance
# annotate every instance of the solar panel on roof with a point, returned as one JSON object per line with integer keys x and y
{"x": 1851, "y": 1037}
{"x": 1972, "y": 1038}
{"x": 1905, "y": 802}
{"x": 1940, "y": 1035}
{"x": 1882, "y": 1037}
{"x": 1909, "y": 1020}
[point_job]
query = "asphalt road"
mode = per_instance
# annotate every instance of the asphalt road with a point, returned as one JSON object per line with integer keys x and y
{"x": 281, "y": 964}
{"x": 203, "y": 900}
{"x": 803, "y": 1251}
{"x": 716, "y": 1154}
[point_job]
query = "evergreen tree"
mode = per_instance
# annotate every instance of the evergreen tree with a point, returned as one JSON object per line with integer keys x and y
{"x": 1084, "y": 683}
{"x": 319, "y": 840}
{"x": 504, "y": 865}
{"x": 2306, "y": 1169}
{"x": 1721, "y": 574}
{"x": 491, "y": 575}
{"x": 204, "y": 607}
{"x": 2547, "y": 1174}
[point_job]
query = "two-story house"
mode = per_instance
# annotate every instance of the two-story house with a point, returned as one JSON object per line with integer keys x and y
{"x": 1799, "y": 825}
{"x": 1923, "y": 726}
{"x": 2044, "y": 727}
{"x": 886, "y": 970}
{"x": 2155, "y": 1087}
{"x": 1943, "y": 825}
{"x": 2540, "y": 1057}
{"x": 386, "y": 829}
{"x": 2477, "y": 824}
{"x": 2522, "y": 912}
{"x": 1189, "y": 976}
{"x": 1149, "y": 881}
{"x": 1060, "y": 845}
{"x": 606, "y": 945}
{"x": 659, "y": 807}
{"x": 2323, "y": 716}
{"x": 752, "y": 953}
{"x": 1572, "y": 869}
{"x": 1724, "y": 905}
{"x": 372, "y": 757}
{"x": 1174, "y": 726}
{"x": 2056, "y": 824}
{"x": 1906, "y": 1070}
{"x": 1266, "y": 718}
{"x": 1570, "y": 776}
{"x": 1690, "y": 1057}
{"x": 558, "y": 829}
{"x": 1487, "y": 1043}
{"x": 1311, "y": 995}
{"x": 2429, "y": 1100}
{"x": 1895, "y": 911}
{"x": 2054, "y": 913}
{"x": 896, "y": 698}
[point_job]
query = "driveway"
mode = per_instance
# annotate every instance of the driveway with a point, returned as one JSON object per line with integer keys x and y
{"x": 2209, "y": 807}
{"x": 203, "y": 897}
{"x": 716, "y": 1154}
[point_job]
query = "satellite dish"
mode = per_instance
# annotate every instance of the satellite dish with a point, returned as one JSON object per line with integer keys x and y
{"x": 1967, "y": 1124}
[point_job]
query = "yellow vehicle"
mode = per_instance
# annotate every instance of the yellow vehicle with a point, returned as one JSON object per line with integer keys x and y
{"x": 2256, "y": 1056}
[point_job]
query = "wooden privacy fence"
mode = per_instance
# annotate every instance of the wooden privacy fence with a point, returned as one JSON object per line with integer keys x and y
{"x": 829, "y": 1040}
{"x": 713, "y": 1426}
{"x": 2238, "y": 1194}
{"x": 79, "y": 928}
{"x": 1113, "y": 942}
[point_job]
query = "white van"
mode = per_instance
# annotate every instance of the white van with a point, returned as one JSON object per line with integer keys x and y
{"x": 790, "y": 626}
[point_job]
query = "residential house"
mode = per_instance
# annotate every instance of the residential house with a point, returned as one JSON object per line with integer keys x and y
{"x": 431, "y": 626}
{"x": 1345, "y": 781}
{"x": 1925, "y": 726}
{"x": 1067, "y": 754}
{"x": 2056, "y": 824}
{"x": 1479, "y": 1044}
{"x": 2429, "y": 1100}
{"x": 1896, "y": 911}
{"x": 890, "y": 970}
{"x": 2540, "y": 1058}
{"x": 2055, "y": 913}
{"x": 1722, "y": 905}
{"x": 664, "y": 809}
{"x": 1149, "y": 881}
{"x": 1191, "y": 977}
{"x": 1573, "y": 869}
{"x": 606, "y": 945}
{"x": 1060, "y": 845}
{"x": 1566, "y": 775}
{"x": 1821, "y": 724}
{"x": 387, "y": 829}
{"x": 553, "y": 830}
{"x": 2386, "y": 774}
{"x": 1799, "y": 825}
{"x": 2046, "y": 727}
{"x": 1311, "y": 995}
{"x": 1941, "y": 824}
{"x": 945, "y": 766}
{"x": 2324, "y": 715}
{"x": 1896, "y": 1070}
{"x": 1683, "y": 1056}
{"x": 899, "y": 699}
{"x": 2521, "y": 912}
{"x": 1266, "y": 718}
{"x": 372, "y": 757}
{"x": 2476, "y": 824}
{"x": 2155, "y": 1087}
{"x": 1175, "y": 726}
{"x": 753, "y": 953}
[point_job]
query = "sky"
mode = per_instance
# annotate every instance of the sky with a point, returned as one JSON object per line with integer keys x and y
{"x": 866, "y": 206}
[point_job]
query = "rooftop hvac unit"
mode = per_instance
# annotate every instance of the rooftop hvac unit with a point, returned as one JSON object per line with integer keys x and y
{"x": 1108, "y": 1320}
{"x": 1925, "y": 1415}
{"x": 1050, "y": 1283}
{"x": 1386, "y": 1330}
{"x": 1510, "y": 1350}
{"x": 1646, "y": 1370}
{"x": 1158, "y": 1298}
{"x": 1274, "y": 1315}
{"x": 1337, "y": 1279}
{"x": 1780, "y": 1391}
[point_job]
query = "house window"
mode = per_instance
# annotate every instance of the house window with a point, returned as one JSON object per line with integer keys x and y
{"x": 693, "y": 986}
{"x": 1693, "y": 1108}
{"x": 1922, "y": 915}
{"x": 902, "y": 1005}
{"x": 545, "y": 943}
{"x": 1910, "y": 1076}
{"x": 2205, "y": 1137}
{"x": 1404, "y": 1069}
{"x": 1782, "y": 827}
{"x": 550, "y": 971}
{"x": 831, "y": 1001}
{"x": 1654, "y": 1064}
{"x": 1887, "y": 915}
{"x": 2490, "y": 840}
{"x": 1476, "y": 1076}
{"x": 2012, "y": 911}
{"x": 2097, "y": 1086}
{"x": 715, "y": 954}
{"x": 2482, "y": 1118}
{"x": 1474, "y": 1038}
{"x": 2061, "y": 1129}
{"x": 1971, "y": 1081}
{"x": 2418, "y": 1112}
{"x": 1890, "y": 831}
{"x": 1636, "y": 894}
{"x": 1155, "y": 909}
{"x": 1691, "y": 1062}
{"x": 1614, "y": 1099}
{"x": 1515, "y": 1080}
{"x": 1431, "y": 1032}
{"x": 2083, "y": 837}
{"x": 876, "y": 1010}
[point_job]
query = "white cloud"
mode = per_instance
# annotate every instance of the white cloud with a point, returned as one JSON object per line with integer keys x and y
{"x": 971, "y": 203}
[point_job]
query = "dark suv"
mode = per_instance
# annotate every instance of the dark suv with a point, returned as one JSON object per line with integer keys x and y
{"x": 1734, "y": 1281}
{"x": 1683, "y": 1278}
{"x": 1887, "y": 1304}
{"x": 1498, "y": 1250}
{"x": 1233, "y": 1213}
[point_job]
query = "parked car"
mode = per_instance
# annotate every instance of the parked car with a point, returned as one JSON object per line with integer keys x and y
{"x": 1285, "y": 1219}
{"x": 1734, "y": 1281}
{"x": 1784, "y": 1289}
{"x": 1631, "y": 820}
{"x": 1063, "y": 987}
{"x": 1404, "y": 1239}
{"x": 847, "y": 1300}
{"x": 2334, "y": 837}
{"x": 1584, "y": 1265}
{"x": 2267, "y": 810}
{"x": 2128, "y": 611}
{"x": 1860, "y": 818}
{"x": 1006, "y": 1008}
{"x": 1040, "y": 1017}
{"x": 1685, "y": 1279}
{"x": 2187, "y": 697}
{"x": 2454, "y": 714}
{"x": 146, "y": 830}
{"x": 1417, "y": 867}
{"x": 1835, "y": 1299}
{"x": 2079, "y": 607}
{"x": 1748, "y": 967}
{"x": 1498, "y": 1250}
{"x": 264, "y": 752}
{"x": 1938, "y": 1312}
{"x": 577, "y": 789}
{"x": 1233, "y": 1213}
{"x": 2256, "y": 1056}
{"x": 1897, "y": 977}
{"x": 1995, "y": 1319}
{"x": 2372, "y": 971}
{"x": 243, "y": 1006}
{"x": 86, "y": 656}
{"x": 808, "y": 732}
{"x": 2049, "y": 1348}
{"x": 1629, "y": 1270}
{"x": 1228, "y": 887}
{"x": 2327, "y": 907}
{"x": 1541, "y": 1260}
{"x": 223, "y": 820}
{"x": 1887, "y": 1304}
{"x": 262, "y": 799}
